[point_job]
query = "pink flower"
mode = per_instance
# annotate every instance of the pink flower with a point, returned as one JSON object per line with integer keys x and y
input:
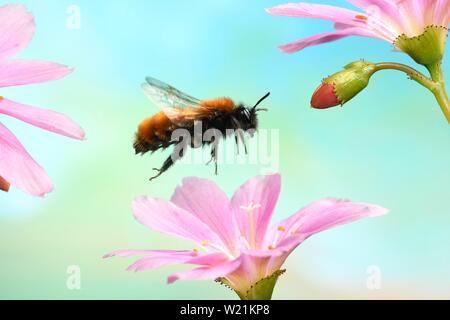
{"x": 237, "y": 244}
{"x": 383, "y": 19}
{"x": 17, "y": 167}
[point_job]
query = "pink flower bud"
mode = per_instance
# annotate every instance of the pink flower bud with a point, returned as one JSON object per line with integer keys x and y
{"x": 325, "y": 97}
{"x": 343, "y": 86}
{"x": 4, "y": 185}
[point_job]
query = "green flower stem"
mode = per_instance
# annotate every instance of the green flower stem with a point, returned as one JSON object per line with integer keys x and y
{"x": 439, "y": 91}
{"x": 436, "y": 84}
{"x": 411, "y": 72}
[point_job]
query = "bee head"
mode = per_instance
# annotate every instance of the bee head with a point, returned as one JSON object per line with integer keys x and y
{"x": 246, "y": 118}
{"x": 253, "y": 112}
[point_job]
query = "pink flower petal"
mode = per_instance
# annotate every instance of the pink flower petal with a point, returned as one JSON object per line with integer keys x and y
{"x": 158, "y": 258}
{"x": 208, "y": 273}
{"x": 211, "y": 259}
{"x": 317, "y": 217}
{"x": 379, "y": 7}
{"x": 45, "y": 119}
{"x": 22, "y": 72}
{"x": 127, "y": 253}
{"x": 318, "y": 11}
{"x": 262, "y": 191}
{"x": 156, "y": 261}
{"x": 320, "y": 216}
{"x": 251, "y": 270}
{"x": 209, "y": 204}
{"x": 16, "y": 29}
{"x": 441, "y": 13}
{"x": 166, "y": 217}
{"x": 19, "y": 168}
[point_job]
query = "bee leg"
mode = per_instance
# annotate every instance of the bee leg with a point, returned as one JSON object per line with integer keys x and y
{"x": 163, "y": 169}
{"x": 214, "y": 158}
{"x": 245, "y": 145}
{"x": 241, "y": 137}
{"x": 237, "y": 143}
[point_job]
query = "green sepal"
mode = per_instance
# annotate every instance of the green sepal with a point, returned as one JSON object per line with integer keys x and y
{"x": 426, "y": 49}
{"x": 352, "y": 80}
{"x": 261, "y": 290}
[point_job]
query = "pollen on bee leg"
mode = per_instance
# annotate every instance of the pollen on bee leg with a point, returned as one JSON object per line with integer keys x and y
{"x": 271, "y": 247}
{"x": 361, "y": 17}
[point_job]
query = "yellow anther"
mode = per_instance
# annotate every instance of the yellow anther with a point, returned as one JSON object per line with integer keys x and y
{"x": 205, "y": 242}
{"x": 271, "y": 248}
{"x": 281, "y": 229}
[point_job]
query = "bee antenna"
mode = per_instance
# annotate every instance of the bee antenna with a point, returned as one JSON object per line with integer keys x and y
{"x": 261, "y": 100}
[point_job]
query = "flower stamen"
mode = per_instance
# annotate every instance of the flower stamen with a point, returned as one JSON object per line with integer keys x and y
{"x": 280, "y": 229}
{"x": 206, "y": 243}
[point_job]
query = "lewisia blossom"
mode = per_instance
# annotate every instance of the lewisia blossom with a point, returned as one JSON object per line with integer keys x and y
{"x": 387, "y": 20}
{"x": 17, "y": 167}
{"x": 417, "y": 27}
{"x": 237, "y": 247}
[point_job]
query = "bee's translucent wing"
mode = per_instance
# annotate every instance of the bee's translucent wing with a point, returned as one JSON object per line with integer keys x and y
{"x": 166, "y": 96}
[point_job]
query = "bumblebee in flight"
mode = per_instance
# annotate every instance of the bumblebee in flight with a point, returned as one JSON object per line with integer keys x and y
{"x": 182, "y": 111}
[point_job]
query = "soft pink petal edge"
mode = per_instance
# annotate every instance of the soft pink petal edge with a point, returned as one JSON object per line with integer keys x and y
{"x": 165, "y": 217}
{"x": 317, "y": 11}
{"x": 19, "y": 168}
{"x": 45, "y": 119}
{"x": 306, "y": 223}
{"x": 262, "y": 191}
{"x": 326, "y": 37}
{"x": 206, "y": 273}
{"x": 17, "y": 28}
{"x": 23, "y": 72}
{"x": 216, "y": 212}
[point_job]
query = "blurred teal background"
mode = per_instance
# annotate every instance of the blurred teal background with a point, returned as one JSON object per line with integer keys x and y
{"x": 389, "y": 146}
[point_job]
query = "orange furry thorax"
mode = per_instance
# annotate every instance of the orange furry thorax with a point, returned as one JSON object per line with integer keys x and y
{"x": 221, "y": 104}
{"x": 159, "y": 125}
